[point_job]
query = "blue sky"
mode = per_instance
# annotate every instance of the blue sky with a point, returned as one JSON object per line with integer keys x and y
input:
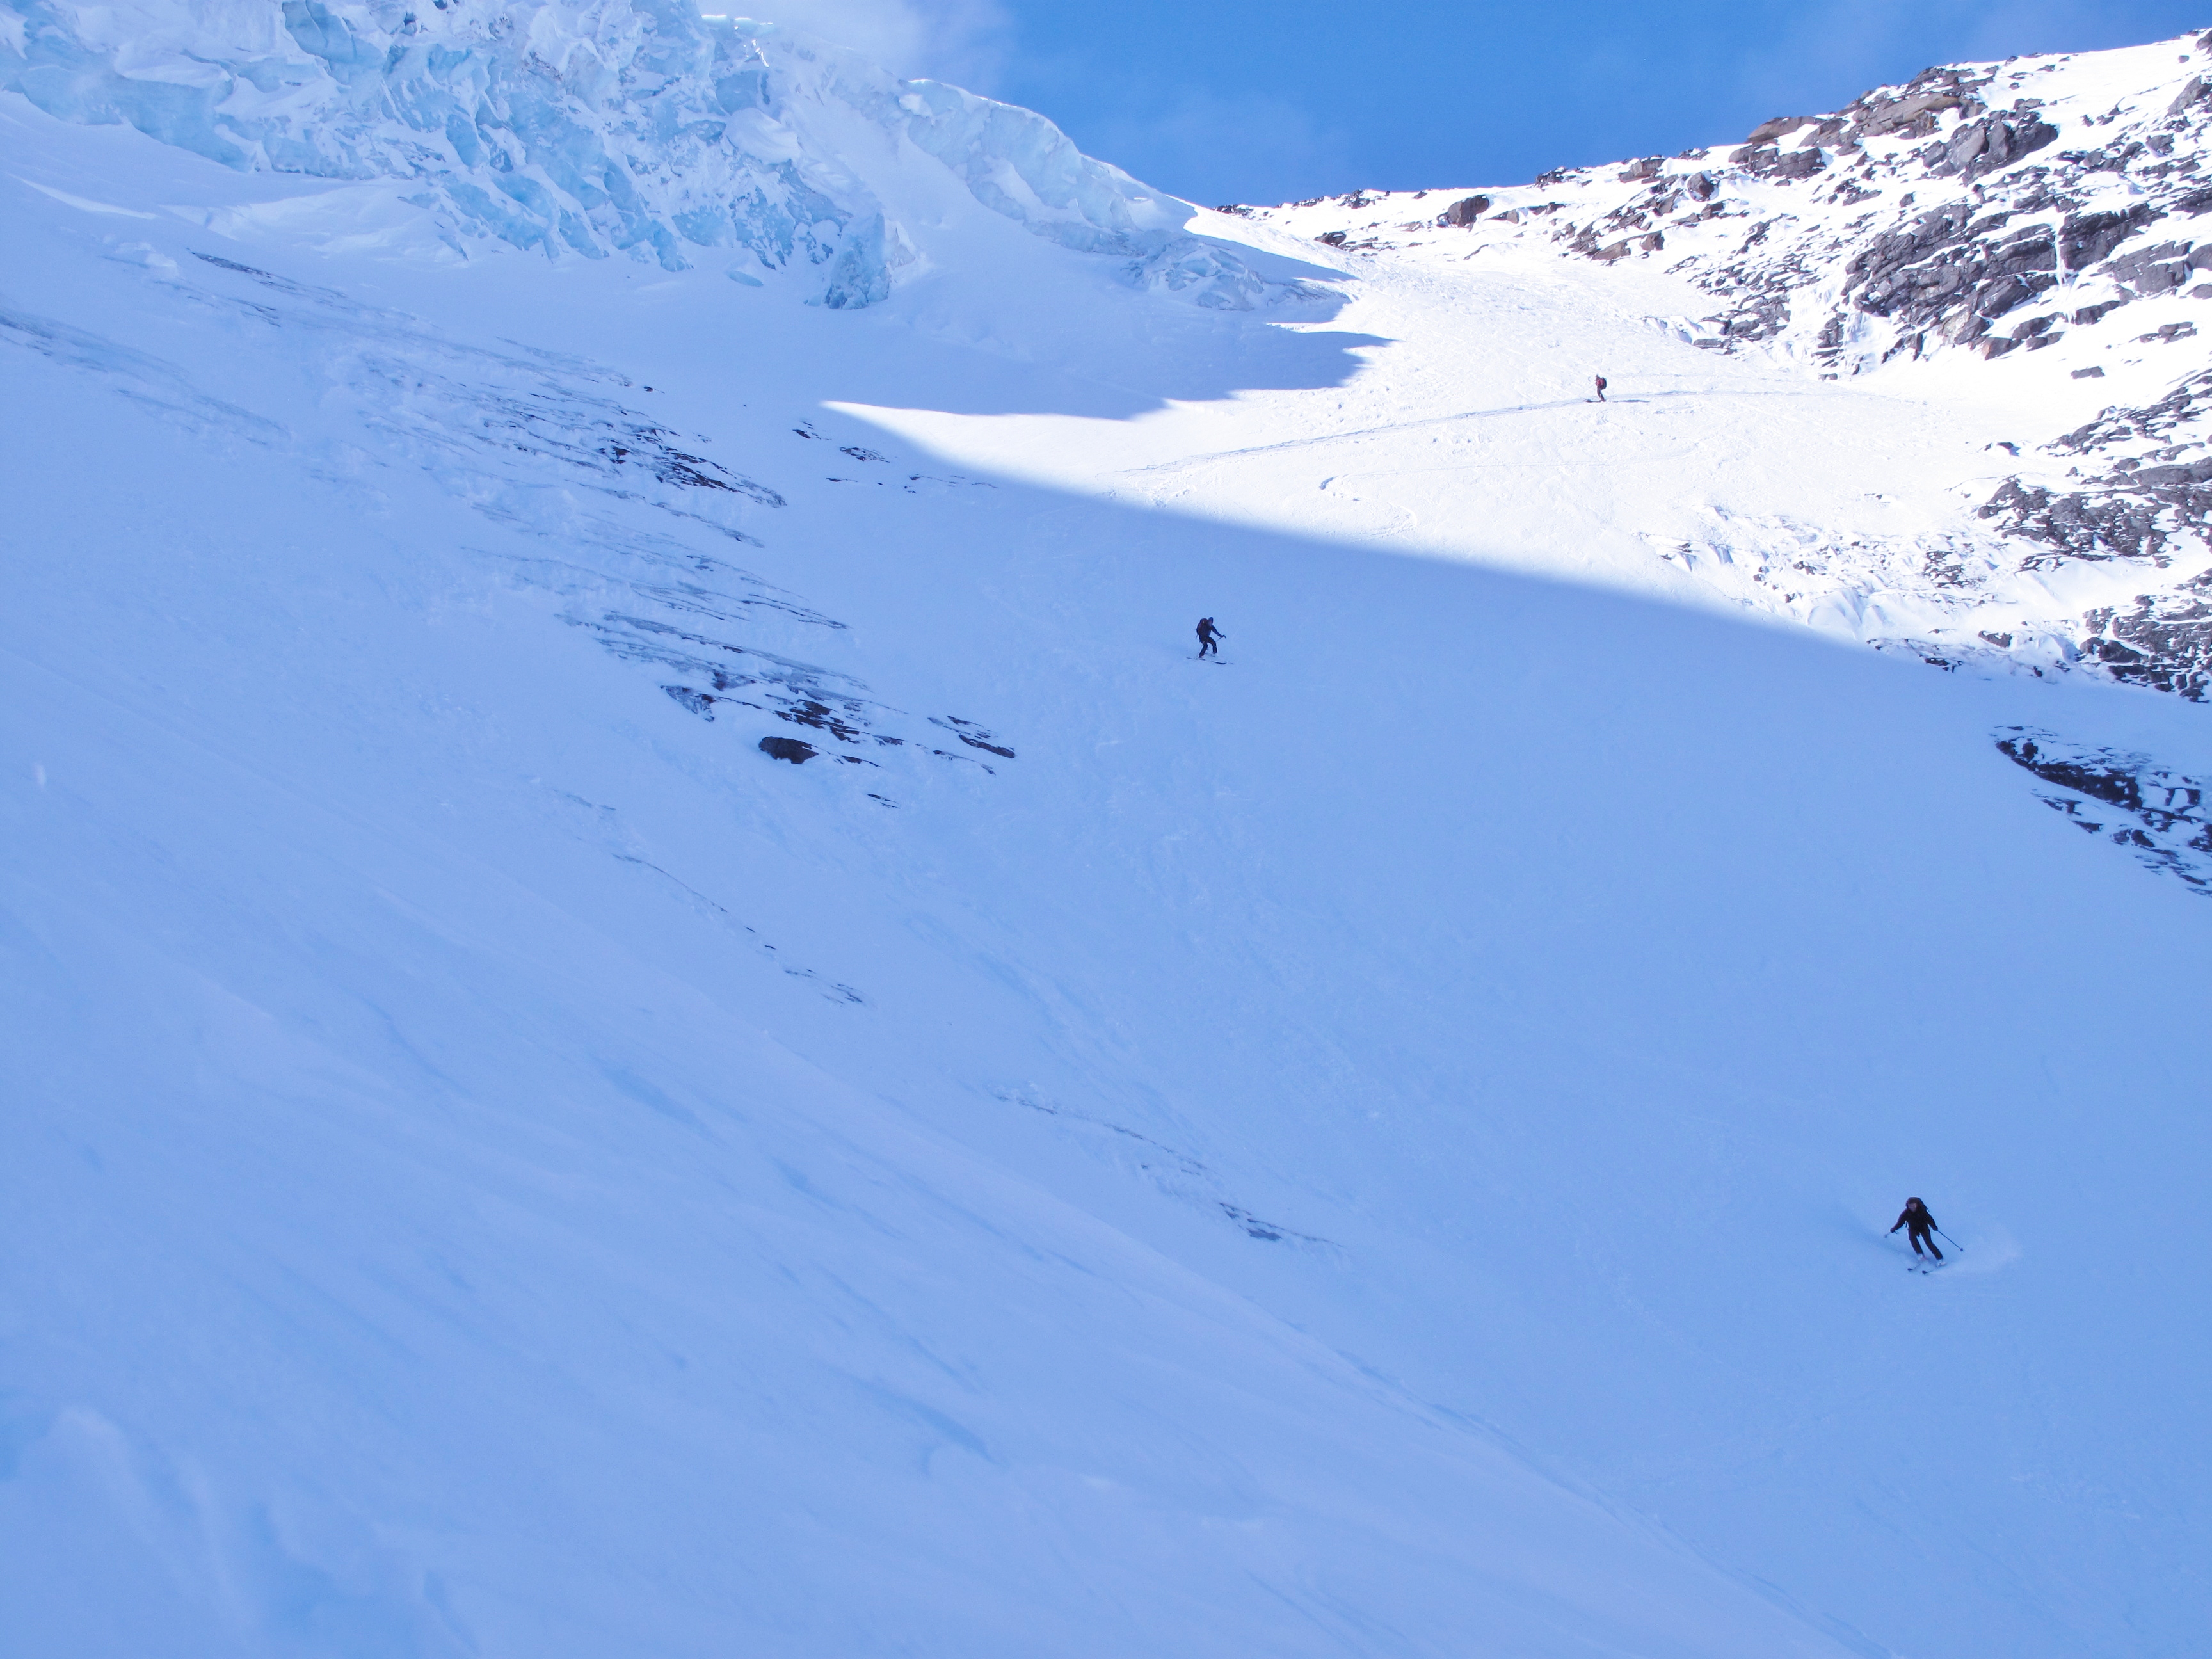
{"x": 1268, "y": 100}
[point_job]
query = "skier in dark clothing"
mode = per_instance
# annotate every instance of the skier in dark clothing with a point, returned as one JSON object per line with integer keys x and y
{"x": 1209, "y": 637}
{"x": 1599, "y": 381}
{"x": 1921, "y": 1227}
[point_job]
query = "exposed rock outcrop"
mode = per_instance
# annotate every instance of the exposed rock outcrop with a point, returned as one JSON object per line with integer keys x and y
{"x": 2164, "y": 641}
{"x": 2151, "y": 810}
{"x": 2023, "y": 212}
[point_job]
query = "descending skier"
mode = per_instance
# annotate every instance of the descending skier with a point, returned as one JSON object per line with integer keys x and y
{"x": 1921, "y": 1227}
{"x": 1209, "y": 637}
{"x": 1599, "y": 381}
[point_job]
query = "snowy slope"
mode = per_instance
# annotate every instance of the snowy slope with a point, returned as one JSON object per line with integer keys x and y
{"x": 1379, "y": 1147}
{"x": 2011, "y": 249}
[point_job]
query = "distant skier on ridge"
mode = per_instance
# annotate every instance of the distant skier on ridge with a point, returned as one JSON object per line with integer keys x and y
{"x": 1599, "y": 381}
{"x": 1209, "y": 638}
{"x": 1921, "y": 1225}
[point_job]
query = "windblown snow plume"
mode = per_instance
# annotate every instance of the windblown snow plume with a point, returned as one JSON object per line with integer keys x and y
{"x": 632, "y": 126}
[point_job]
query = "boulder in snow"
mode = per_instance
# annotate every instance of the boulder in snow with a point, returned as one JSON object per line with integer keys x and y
{"x": 1781, "y": 126}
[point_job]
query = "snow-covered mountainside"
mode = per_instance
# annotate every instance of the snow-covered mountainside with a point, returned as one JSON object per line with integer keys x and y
{"x": 2043, "y": 215}
{"x": 650, "y": 1008}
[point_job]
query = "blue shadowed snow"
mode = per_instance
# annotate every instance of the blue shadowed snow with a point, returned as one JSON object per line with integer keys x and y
{"x": 1377, "y": 1148}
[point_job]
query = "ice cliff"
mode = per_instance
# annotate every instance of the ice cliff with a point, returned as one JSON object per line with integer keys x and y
{"x": 629, "y": 126}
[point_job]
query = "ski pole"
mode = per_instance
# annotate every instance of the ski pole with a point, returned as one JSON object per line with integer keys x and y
{"x": 1952, "y": 1241}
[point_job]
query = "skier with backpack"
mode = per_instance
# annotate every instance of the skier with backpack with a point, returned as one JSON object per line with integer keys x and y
{"x": 1921, "y": 1227}
{"x": 1599, "y": 381}
{"x": 1209, "y": 638}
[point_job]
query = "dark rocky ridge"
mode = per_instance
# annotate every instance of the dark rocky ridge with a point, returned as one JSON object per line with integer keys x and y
{"x": 2152, "y": 811}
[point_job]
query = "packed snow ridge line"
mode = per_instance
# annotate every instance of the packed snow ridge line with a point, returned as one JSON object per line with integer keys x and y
{"x": 632, "y": 126}
{"x": 2043, "y": 212}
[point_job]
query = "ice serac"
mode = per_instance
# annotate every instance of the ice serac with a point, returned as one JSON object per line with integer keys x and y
{"x": 632, "y": 126}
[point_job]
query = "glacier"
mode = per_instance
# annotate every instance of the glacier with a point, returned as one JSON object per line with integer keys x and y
{"x": 641, "y": 129}
{"x": 1380, "y": 1147}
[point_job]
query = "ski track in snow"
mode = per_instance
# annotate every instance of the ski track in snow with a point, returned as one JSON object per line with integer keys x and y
{"x": 1399, "y": 426}
{"x": 1382, "y": 1153}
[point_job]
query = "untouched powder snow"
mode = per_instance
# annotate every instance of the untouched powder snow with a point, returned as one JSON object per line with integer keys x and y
{"x": 1380, "y": 1147}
